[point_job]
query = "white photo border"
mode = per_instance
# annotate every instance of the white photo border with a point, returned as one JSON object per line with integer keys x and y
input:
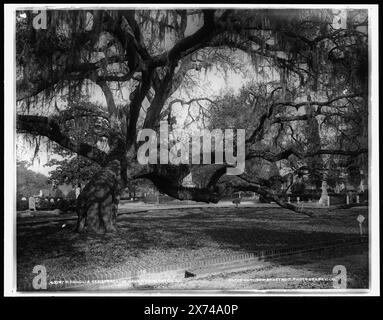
{"x": 10, "y": 152}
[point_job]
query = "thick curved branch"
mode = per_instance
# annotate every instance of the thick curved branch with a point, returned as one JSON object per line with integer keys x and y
{"x": 261, "y": 126}
{"x": 273, "y": 157}
{"x": 270, "y": 195}
{"x": 112, "y": 109}
{"x": 49, "y": 128}
{"x": 173, "y": 189}
{"x": 136, "y": 98}
{"x": 129, "y": 16}
{"x": 317, "y": 103}
{"x": 214, "y": 194}
{"x": 216, "y": 176}
{"x": 189, "y": 44}
{"x": 162, "y": 93}
{"x": 268, "y": 115}
{"x": 75, "y": 72}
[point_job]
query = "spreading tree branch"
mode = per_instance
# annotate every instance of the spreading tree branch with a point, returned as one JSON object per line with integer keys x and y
{"x": 274, "y": 157}
{"x": 49, "y": 128}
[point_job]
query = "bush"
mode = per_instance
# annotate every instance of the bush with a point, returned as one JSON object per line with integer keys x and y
{"x": 298, "y": 188}
{"x": 165, "y": 199}
{"x": 336, "y": 198}
{"x": 21, "y": 205}
{"x": 66, "y": 205}
{"x": 263, "y": 199}
{"x": 150, "y": 198}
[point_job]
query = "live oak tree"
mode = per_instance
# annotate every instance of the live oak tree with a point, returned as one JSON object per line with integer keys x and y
{"x": 141, "y": 60}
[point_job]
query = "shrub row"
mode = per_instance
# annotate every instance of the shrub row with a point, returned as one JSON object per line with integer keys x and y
{"x": 47, "y": 204}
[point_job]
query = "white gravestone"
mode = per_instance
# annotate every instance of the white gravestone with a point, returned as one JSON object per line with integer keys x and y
{"x": 324, "y": 196}
{"x": 78, "y": 191}
{"x": 32, "y": 203}
{"x": 361, "y": 186}
{"x": 360, "y": 219}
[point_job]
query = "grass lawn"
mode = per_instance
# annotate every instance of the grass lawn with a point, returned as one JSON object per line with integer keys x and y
{"x": 171, "y": 236}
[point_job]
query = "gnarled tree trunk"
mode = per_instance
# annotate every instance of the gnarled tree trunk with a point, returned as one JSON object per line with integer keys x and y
{"x": 97, "y": 203}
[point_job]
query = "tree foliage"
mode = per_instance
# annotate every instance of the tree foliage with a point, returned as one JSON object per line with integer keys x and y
{"x": 308, "y": 94}
{"x": 29, "y": 183}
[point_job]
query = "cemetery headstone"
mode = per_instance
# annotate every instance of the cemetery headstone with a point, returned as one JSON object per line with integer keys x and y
{"x": 32, "y": 203}
{"x": 360, "y": 219}
{"x": 324, "y": 196}
{"x": 78, "y": 191}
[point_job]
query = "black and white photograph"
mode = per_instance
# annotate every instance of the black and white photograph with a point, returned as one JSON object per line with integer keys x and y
{"x": 191, "y": 149}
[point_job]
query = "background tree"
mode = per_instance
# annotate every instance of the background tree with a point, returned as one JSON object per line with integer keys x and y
{"x": 74, "y": 171}
{"x": 29, "y": 183}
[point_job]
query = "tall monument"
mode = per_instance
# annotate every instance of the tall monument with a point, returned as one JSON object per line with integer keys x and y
{"x": 324, "y": 196}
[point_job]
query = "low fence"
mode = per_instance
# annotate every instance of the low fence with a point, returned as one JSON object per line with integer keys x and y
{"x": 86, "y": 280}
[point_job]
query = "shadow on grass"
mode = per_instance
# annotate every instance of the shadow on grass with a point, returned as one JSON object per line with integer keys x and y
{"x": 257, "y": 238}
{"x": 165, "y": 237}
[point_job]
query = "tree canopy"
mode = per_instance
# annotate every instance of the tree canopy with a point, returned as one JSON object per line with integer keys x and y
{"x": 304, "y": 103}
